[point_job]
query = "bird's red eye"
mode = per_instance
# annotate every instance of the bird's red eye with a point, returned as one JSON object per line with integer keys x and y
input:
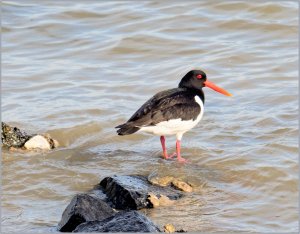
{"x": 199, "y": 76}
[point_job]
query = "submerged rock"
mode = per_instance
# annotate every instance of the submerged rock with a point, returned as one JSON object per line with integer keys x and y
{"x": 160, "y": 200}
{"x": 153, "y": 199}
{"x": 83, "y": 208}
{"x": 170, "y": 180}
{"x": 13, "y": 136}
{"x": 132, "y": 192}
{"x": 181, "y": 185}
{"x": 124, "y": 221}
{"x": 161, "y": 181}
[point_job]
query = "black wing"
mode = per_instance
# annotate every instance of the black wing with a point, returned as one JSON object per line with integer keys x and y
{"x": 170, "y": 104}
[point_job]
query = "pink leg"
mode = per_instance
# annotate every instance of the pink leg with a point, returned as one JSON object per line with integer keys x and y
{"x": 163, "y": 145}
{"x": 179, "y": 158}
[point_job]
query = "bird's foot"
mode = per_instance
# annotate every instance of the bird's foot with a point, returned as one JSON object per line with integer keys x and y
{"x": 182, "y": 160}
{"x": 166, "y": 156}
{"x": 172, "y": 156}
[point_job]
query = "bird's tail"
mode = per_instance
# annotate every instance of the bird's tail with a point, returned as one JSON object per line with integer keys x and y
{"x": 126, "y": 129}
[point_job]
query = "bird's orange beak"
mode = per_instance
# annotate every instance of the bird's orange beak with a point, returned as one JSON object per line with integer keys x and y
{"x": 216, "y": 88}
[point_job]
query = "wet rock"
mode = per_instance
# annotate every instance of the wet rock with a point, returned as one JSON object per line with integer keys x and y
{"x": 13, "y": 136}
{"x": 53, "y": 143}
{"x": 169, "y": 228}
{"x": 160, "y": 200}
{"x": 181, "y": 185}
{"x": 14, "y": 139}
{"x": 167, "y": 180}
{"x": 181, "y": 230}
{"x": 165, "y": 201}
{"x": 132, "y": 192}
{"x": 39, "y": 142}
{"x": 83, "y": 208}
{"x": 162, "y": 181}
{"x": 98, "y": 193}
{"x": 153, "y": 199}
{"x": 124, "y": 221}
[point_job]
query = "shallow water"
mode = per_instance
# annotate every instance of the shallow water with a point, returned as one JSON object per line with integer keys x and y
{"x": 76, "y": 70}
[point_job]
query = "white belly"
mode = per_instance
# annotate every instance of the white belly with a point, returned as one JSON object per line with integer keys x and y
{"x": 175, "y": 126}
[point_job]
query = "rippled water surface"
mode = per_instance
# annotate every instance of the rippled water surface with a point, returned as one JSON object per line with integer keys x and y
{"x": 76, "y": 69}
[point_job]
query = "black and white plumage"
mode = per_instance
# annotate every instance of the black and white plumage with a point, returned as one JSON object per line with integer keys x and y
{"x": 170, "y": 112}
{"x": 173, "y": 111}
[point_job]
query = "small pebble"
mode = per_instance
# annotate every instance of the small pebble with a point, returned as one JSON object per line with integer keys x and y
{"x": 169, "y": 228}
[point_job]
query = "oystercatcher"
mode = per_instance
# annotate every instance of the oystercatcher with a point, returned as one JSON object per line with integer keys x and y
{"x": 173, "y": 111}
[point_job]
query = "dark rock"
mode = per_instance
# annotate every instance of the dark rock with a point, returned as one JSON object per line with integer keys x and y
{"x": 181, "y": 230}
{"x": 98, "y": 193}
{"x": 83, "y": 208}
{"x": 132, "y": 192}
{"x": 124, "y": 221}
{"x": 13, "y": 136}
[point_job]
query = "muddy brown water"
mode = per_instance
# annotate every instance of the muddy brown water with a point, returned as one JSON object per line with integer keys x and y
{"x": 76, "y": 70}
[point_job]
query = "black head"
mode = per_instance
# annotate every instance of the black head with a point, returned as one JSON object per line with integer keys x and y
{"x": 193, "y": 80}
{"x": 196, "y": 80}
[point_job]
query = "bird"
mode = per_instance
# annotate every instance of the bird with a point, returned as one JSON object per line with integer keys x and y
{"x": 172, "y": 112}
